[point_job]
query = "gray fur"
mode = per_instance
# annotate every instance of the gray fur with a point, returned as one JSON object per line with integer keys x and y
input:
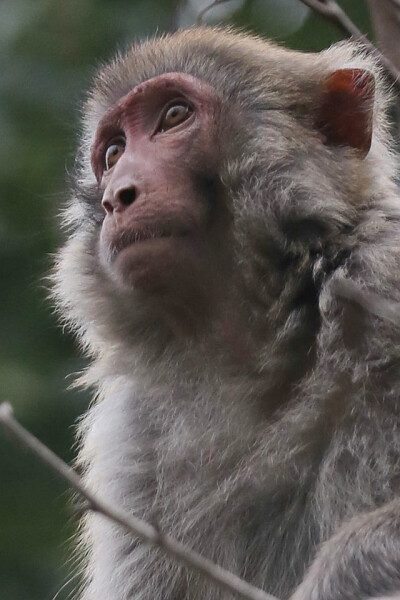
{"x": 254, "y": 463}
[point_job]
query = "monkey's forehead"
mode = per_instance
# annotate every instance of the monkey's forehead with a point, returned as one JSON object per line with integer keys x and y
{"x": 248, "y": 74}
{"x": 239, "y": 67}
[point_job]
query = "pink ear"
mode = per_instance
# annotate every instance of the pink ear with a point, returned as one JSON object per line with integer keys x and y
{"x": 346, "y": 110}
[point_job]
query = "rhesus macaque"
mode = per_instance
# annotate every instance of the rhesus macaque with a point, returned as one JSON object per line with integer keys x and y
{"x": 225, "y": 188}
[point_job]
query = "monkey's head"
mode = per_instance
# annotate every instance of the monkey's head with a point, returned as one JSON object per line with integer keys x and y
{"x": 215, "y": 171}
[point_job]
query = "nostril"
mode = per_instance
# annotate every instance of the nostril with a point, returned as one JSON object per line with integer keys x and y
{"x": 108, "y": 207}
{"x": 119, "y": 200}
{"x": 127, "y": 196}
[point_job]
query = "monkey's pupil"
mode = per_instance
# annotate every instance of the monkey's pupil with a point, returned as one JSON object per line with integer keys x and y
{"x": 175, "y": 115}
{"x": 113, "y": 153}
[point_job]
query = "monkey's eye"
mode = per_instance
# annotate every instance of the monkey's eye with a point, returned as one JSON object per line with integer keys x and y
{"x": 174, "y": 115}
{"x": 114, "y": 152}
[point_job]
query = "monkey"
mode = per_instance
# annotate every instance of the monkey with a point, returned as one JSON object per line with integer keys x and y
{"x": 225, "y": 189}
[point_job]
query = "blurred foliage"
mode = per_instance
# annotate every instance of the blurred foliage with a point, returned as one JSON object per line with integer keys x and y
{"x": 48, "y": 52}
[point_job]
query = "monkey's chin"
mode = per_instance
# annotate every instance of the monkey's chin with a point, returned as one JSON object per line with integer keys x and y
{"x": 151, "y": 265}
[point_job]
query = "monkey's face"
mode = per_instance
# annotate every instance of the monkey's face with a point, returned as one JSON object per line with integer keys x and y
{"x": 151, "y": 156}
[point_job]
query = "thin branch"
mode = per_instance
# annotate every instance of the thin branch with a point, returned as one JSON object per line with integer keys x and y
{"x": 205, "y": 10}
{"x": 137, "y": 527}
{"x": 385, "y": 17}
{"x": 331, "y": 10}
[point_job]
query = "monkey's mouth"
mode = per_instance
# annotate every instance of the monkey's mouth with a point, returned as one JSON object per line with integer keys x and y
{"x": 138, "y": 236}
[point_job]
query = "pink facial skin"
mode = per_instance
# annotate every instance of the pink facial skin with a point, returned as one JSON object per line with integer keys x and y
{"x": 158, "y": 217}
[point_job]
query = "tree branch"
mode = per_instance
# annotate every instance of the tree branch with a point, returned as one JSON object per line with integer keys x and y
{"x": 202, "y": 13}
{"x": 331, "y": 10}
{"x": 137, "y": 527}
{"x": 385, "y": 17}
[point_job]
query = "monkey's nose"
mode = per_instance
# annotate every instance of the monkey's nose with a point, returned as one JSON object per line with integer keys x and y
{"x": 120, "y": 199}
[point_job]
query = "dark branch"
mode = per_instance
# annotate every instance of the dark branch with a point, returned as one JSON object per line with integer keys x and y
{"x": 205, "y": 10}
{"x": 137, "y": 527}
{"x": 336, "y": 15}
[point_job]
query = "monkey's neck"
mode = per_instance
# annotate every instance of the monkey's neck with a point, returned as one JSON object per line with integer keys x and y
{"x": 239, "y": 344}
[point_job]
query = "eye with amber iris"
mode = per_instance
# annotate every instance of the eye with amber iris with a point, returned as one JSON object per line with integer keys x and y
{"x": 114, "y": 152}
{"x": 174, "y": 115}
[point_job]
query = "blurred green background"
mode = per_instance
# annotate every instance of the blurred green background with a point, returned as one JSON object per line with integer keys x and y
{"x": 48, "y": 53}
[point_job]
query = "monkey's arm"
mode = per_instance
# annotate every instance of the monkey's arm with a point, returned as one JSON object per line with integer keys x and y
{"x": 362, "y": 560}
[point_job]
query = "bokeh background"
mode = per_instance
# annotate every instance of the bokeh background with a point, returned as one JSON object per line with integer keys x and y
{"x": 49, "y": 50}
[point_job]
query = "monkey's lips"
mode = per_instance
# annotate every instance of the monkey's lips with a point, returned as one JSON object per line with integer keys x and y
{"x": 135, "y": 237}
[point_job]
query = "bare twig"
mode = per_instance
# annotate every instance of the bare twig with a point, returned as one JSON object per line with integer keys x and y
{"x": 205, "y": 10}
{"x": 385, "y": 17}
{"x": 331, "y": 10}
{"x": 137, "y": 527}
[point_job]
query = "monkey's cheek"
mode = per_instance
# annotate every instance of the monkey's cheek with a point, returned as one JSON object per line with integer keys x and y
{"x": 150, "y": 265}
